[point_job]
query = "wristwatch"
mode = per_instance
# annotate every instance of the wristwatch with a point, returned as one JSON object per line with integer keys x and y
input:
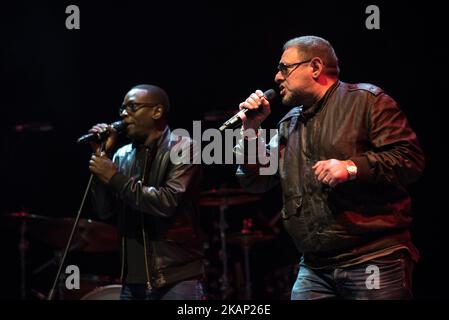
{"x": 352, "y": 170}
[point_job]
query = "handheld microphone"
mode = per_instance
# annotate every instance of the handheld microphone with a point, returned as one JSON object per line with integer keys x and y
{"x": 237, "y": 119}
{"x": 91, "y": 137}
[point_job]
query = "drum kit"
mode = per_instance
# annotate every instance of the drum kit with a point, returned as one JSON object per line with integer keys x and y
{"x": 223, "y": 198}
{"x": 99, "y": 237}
{"x": 91, "y": 237}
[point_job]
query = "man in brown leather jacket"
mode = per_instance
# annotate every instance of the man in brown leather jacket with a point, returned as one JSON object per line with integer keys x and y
{"x": 346, "y": 153}
{"x": 155, "y": 200}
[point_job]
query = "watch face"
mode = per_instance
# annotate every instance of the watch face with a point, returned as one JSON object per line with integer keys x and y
{"x": 352, "y": 170}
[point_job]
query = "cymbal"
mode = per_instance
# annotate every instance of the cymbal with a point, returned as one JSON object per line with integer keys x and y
{"x": 226, "y": 197}
{"x": 24, "y": 216}
{"x": 91, "y": 236}
{"x": 248, "y": 237}
{"x": 17, "y": 220}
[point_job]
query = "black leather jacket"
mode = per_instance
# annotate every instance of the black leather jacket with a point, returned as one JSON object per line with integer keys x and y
{"x": 359, "y": 219}
{"x": 165, "y": 195}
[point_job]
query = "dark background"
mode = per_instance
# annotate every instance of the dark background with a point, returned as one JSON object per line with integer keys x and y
{"x": 208, "y": 57}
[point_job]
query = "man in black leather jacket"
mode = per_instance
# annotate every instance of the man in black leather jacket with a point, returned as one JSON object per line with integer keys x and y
{"x": 155, "y": 200}
{"x": 346, "y": 153}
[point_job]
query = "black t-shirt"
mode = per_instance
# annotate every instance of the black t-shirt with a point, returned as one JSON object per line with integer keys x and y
{"x": 135, "y": 260}
{"x": 135, "y": 263}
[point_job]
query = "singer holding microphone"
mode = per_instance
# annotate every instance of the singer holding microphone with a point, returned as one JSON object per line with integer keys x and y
{"x": 155, "y": 200}
{"x": 346, "y": 154}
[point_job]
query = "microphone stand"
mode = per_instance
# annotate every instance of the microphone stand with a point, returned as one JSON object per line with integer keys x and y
{"x": 74, "y": 228}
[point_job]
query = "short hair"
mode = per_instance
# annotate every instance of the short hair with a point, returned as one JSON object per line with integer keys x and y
{"x": 159, "y": 95}
{"x": 313, "y": 46}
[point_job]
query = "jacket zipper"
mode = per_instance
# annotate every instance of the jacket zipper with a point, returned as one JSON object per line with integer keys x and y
{"x": 122, "y": 270}
{"x": 146, "y": 255}
{"x": 143, "y": 225}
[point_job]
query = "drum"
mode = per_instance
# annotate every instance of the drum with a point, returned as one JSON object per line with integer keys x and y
{"x": 111, "y": 292}
{"x": 88, "y": 283}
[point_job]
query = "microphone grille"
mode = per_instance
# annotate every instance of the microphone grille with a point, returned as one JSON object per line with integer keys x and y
{"x": 270, "y": 94}
{"x": 119, "y": 125}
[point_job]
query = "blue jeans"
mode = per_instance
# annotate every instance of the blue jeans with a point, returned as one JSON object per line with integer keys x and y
{"x": 185, "y": 290}
{"x": 383, "y": 278}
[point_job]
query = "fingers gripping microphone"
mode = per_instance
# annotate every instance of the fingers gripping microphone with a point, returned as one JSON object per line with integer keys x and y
{"x": 91, "y": 137}
{"x": 237, "y": 119}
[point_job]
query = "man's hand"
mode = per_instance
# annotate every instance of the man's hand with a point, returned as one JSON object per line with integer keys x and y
{"x": 332, "y": 171}
{"x": 256, "y": 101}
{"x": 102, "y": 167}
{"x": 111, "y": 140}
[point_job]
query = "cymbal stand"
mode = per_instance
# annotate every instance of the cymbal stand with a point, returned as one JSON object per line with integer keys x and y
{"x": 248, "y": 292}
{"x": 23, "y": 247}
{"x": 223, "y": 252}
{"x": 247, "y": 225}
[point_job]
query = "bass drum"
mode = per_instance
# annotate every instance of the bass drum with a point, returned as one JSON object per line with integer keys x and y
{"x": 111, "y": 292}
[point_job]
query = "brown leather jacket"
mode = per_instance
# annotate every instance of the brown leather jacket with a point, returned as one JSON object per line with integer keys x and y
{"x": 165, "y": 195}
{"x": 359, "y": 219}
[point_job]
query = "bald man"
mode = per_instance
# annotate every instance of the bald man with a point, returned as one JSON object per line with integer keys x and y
{"x": 154, "y": 200}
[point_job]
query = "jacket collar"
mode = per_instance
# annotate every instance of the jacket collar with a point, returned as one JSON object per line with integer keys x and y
{"x": 317, "y": 106}
{"x": 294, "y": 112}
{"x": 161, "y": 141}
{"x": 297, "y": 112}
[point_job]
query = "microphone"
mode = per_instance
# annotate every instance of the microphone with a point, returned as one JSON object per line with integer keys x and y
{"x": 237, "y": 119}
{"x": 91, "y": 137}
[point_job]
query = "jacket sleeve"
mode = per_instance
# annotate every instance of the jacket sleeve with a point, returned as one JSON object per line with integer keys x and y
{"x": 102, "y": 197}
{"x": 251, "y": 174}
{"x": 180, "y": 180}
{"x": 396, "y": 156}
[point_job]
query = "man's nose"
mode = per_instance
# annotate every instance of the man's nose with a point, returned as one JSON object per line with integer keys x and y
{"x": 124, "y": 114}
{"x": 278, "y": 77}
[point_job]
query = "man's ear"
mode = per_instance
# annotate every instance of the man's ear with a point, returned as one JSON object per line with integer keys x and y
{"x": 158, "y": 112}
{"x": 317, "y": 66}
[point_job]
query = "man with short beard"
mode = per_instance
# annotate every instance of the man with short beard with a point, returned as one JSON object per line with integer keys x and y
{"x": 346, "y": 154}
